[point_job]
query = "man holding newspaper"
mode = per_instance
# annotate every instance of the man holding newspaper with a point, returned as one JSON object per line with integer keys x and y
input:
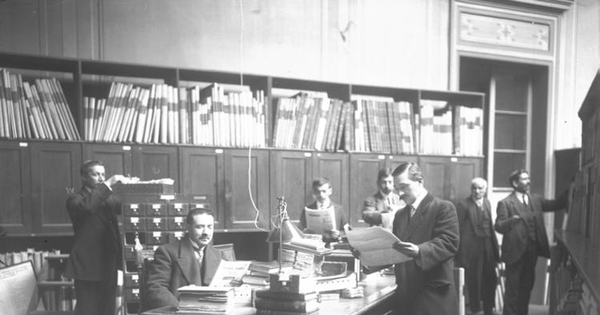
{"x": 323, "y": 216}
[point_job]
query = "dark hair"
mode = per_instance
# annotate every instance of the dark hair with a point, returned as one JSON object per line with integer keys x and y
{"x": 414, "y": 171}
{"x": 197, "y": 211}
{"x": 514, "y": 176}
{"x": 383, "y": 173}
{"x": 85, "y": 168}
{"x": 320, "y": 182}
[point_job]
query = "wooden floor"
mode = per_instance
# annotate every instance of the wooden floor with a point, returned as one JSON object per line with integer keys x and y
{"x": 538, "y": 310}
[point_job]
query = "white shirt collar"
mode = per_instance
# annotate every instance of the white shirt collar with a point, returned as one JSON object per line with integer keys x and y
{"x": 419, "y": 199}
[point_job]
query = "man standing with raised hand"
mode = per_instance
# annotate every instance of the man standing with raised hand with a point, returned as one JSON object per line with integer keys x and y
{"x": 96, "y": 254}
{"x": 520, "y": 219}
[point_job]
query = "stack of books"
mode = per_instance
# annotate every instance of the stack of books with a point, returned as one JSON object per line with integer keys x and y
{"x": 259, "y": 272}
{"x": 272, "y": 301}
{"x": 205, "y": 300}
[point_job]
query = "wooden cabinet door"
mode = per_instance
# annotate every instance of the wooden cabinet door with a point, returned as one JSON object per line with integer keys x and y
{"x": 15, "y": 188}
{"x": 463, "y": 171}
{"x": 54, "y": 172}
{"x": 363, "y": 182}
{"x": 202, "y": 174}
{"x": 335, "y": 167}
{"x": 116, "y": 158}
{"x": 449, "y": 177}
{"x": 291, "y": 177}
{"x": 156, "y": 162}
{"x": 246, "y": 175}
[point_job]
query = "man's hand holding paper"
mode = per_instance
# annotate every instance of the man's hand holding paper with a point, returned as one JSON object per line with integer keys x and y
{"x": 375, "y": 246}
{"x": 406, "y": 248}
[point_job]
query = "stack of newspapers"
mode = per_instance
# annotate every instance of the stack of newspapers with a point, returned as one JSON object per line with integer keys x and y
{"x": 205, "y": 300}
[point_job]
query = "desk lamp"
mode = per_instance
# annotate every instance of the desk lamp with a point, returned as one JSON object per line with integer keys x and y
{"x": 284, "y": 233}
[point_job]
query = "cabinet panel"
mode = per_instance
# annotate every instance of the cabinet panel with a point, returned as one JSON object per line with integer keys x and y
{"x": 450, "y": 177}
{"x": 335, "y": 167}
{"x": 463, "y": 171}
{"x": 239, "y": 210}
{"x": 156, "y": 162}
{"x": 363, "y": 182}
{"x": 15, "y": 188}
{"x": 291, "y": 177}
{"x": 202, "y": 173}
{"x": 116, "y": 158}
{"x": 436, "y": 174}
{"x": 55, "y": 170}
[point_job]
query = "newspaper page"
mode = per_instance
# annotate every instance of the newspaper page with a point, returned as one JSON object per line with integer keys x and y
{"x": 17, "y": 285}
{"x": 375, "y": 246}
{"x": 229, "y": 273}
{"x": 321, "y": 220}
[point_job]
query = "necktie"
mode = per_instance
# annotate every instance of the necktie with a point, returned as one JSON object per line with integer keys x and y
{"x": 412, "y": 211}
{"x": 199, "y": 255}
{"x": 524, "y": 199}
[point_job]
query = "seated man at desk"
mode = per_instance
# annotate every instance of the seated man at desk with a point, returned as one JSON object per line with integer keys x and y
{"x": 190, "y": 260}
{"x": 322, "y": 191}
{"x": 380, "y": 208}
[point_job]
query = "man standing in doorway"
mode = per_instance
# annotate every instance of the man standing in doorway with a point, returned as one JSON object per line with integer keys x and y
{"x": 520, "y": 219}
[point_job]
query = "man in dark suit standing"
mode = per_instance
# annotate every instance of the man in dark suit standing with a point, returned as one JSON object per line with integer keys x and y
{"x": 428, "y": 232}
{"x": 478, "y": 251}
{"x": 385, "y": 202}
{"x": 192, "y": 260}
{"x": 96, "y": 253}
{"x": 520, "y": 220}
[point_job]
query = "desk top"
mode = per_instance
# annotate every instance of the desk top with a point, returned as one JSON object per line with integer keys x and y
{"x": 378, "y": 291}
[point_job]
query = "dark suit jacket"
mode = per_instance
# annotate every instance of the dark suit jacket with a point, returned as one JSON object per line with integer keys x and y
{"x": 373, "y": 206}
{"x": 470, "y": 246}
{"x": 175, "y": 266}
{"x": 340, "y": 216}
{"x": 96, "y": 253}
{"x": 515, "y": 233}
{"x": 426, "y": 284}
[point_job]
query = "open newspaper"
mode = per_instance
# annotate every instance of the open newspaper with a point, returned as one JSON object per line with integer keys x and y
{"x": 320, "y": 220}
{"x": 375, "y": 246}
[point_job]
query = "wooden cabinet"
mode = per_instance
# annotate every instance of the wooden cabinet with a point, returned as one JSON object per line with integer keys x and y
{"x": 43, "y": 170}
{"x": 246, "y": 179}
{"x": 363, "y": 182}
{"x": 291, "y": 177}
{"x": 38, "y": 177}
{"x": 292, "y": 174}
{"x": 15, "y": 187}
{"x": 54, "y": 173}
{"x": 364, "y": 168}
{"x": 202, "y": 173}
{"x": 450, "y": 177}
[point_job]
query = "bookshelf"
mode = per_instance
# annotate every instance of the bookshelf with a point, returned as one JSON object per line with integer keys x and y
{"x": 214, "y": 170}
{"x": 575, "y": 288}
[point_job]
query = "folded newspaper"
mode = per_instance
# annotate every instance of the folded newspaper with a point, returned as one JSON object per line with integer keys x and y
{"x": 375, "y": 246}
{"x": 320, "y": 220}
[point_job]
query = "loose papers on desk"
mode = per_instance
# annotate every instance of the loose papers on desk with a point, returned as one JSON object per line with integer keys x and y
{"x": 375, "y": 246}
{"x": 320, "y": 220}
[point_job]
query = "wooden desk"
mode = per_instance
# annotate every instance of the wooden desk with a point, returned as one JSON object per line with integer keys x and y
{"x": 378, "y": 300}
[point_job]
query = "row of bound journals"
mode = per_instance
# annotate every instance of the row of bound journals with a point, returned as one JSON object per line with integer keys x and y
{"x": 170, "y": 115}
{"x": 372, "y": 124}
{"x": 37, "y": 110}
{"x": 212, "y": 116}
